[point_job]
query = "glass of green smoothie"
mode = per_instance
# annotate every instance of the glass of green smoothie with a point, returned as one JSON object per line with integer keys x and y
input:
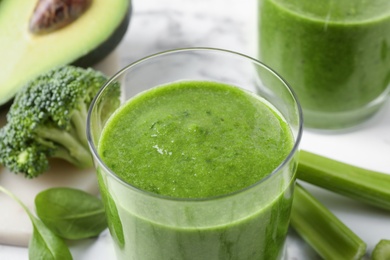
{"x": 198, "y": 162}
{"x": 334, "y": 53}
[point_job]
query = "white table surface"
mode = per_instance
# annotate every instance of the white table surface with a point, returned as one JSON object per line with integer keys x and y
{"x": 158, "y": 25}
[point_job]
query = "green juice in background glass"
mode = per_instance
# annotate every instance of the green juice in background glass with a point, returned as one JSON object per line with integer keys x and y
{"x": 200, "y": 168}
{"x": 334, "y": 54}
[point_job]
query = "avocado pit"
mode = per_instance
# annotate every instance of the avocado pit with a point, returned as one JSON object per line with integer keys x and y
{"x": 51, "y": 15}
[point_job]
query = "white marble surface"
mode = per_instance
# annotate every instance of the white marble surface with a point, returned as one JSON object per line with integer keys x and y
{"x": 159, "y": 25}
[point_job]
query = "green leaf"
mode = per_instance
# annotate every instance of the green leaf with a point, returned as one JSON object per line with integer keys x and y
{"x": 44, "y": 244}
{"x": 71, "y": 213}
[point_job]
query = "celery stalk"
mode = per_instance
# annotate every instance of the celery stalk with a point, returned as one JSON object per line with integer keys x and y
{"x": 381, "y": 250}
{"x": 322, "y": 230}
{"x": 361, "y": 184}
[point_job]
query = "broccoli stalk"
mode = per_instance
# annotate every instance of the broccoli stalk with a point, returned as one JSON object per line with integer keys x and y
{"x": 48, "y": 120}
{"x": 68, "y": 147}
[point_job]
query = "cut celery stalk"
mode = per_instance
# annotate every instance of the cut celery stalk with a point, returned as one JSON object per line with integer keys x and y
{"x": 361, "y": 184}
{"x": 322, "y": 230}
{"x": 381, "y": 250}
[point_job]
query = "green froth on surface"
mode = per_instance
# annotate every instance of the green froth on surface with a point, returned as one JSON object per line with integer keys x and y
{"x": 338, "y": 11}
{"x": 195, "y": 140}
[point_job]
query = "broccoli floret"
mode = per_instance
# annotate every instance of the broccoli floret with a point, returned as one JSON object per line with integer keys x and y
{"x": 47, "y": 119}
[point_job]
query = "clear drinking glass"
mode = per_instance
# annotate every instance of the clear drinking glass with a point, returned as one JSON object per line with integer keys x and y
{"x": 335, "y": 54}
{"x": 250, "y": 223}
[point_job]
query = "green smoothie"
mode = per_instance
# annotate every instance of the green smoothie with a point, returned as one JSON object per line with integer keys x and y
{"x": 198, "y": 140}
{"x": 335, "y": 54}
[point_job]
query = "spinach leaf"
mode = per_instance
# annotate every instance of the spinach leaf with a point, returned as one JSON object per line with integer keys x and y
{"x": 44, "y": 244}
{"x": 71, "y": 213}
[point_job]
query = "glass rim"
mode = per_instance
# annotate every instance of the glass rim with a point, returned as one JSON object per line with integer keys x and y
{"x": 122, "y": 71}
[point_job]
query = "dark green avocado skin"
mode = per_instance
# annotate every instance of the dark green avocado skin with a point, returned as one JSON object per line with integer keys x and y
{"x": 6, "y": 105}
{"x": 108, "y": 45}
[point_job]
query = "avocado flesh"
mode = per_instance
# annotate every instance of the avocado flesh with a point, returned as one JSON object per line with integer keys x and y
{"x": 23, "y": 55}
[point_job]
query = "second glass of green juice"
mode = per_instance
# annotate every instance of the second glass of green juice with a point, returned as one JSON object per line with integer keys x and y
{"x": 199, "y": 161}
{"x": 334, "y": 53}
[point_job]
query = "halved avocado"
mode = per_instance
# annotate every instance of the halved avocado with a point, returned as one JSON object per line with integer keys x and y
{"x": 84, "y": 42}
